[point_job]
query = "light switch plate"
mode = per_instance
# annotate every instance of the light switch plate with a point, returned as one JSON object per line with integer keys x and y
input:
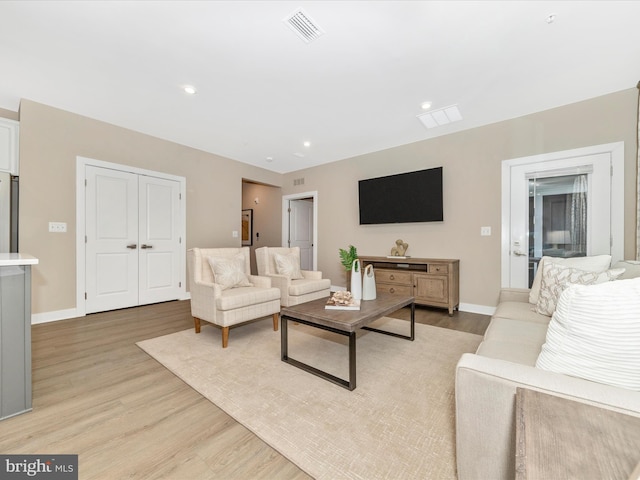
{"x": 57, "y": 227}
{"x": 234, "y": 234}
{"x": 485, "y": 231}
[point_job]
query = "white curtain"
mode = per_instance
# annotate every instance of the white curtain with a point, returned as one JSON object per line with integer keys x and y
{"x": 577, "y": 215}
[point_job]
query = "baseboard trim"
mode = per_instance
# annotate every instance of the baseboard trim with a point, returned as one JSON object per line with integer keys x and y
{"x": 481, "y": 309}
{"x": 57, "y": 315}
{"x": 54, "y": 316}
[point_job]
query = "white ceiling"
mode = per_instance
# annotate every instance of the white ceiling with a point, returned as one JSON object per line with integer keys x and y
{"x": 262, "y": 91}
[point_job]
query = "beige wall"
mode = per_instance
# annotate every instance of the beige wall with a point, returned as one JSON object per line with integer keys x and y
{"x": 267, "y": 216}
{"x": 472, "y": 188}
{"x": 50, "y": 141}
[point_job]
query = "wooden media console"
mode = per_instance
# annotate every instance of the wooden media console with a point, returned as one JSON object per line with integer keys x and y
{"x": 432, "y": 281}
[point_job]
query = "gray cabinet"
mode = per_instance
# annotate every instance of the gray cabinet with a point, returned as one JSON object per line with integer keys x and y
{"x": 15, "y": 339}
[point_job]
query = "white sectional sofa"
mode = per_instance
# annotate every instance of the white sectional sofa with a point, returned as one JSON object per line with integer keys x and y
{"x": 486, "y": 383}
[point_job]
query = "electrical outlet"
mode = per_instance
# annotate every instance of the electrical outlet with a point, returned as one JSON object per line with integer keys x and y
{"x": 234, "y": 234}
{"x": 58, "y": 227}
{"x": 485, "y": 231}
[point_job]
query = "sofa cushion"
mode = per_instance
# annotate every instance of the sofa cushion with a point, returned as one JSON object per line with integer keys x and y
{"x": 228, "y": 272}
{"x": 557, "y": 277}
{"x": 288, "y": 265}
{"x": 595, "y": 334}
{"x": 520, "y": 311}
{"x": 594, "y": 263}
{"x": 519, "y": 331}
{"x": 245, "y": 297}
{"x": 521, "y": 353}
{"x": 304, "y": 286}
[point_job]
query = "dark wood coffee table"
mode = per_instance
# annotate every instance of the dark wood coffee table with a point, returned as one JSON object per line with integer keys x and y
{"x": 343, "y": 322}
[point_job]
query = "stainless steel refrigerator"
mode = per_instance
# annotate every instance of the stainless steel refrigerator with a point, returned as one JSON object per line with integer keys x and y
{"x": 8, "y": 213}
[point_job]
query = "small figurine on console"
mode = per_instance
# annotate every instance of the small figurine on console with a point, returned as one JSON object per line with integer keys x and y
{"x": 400, "y": 249}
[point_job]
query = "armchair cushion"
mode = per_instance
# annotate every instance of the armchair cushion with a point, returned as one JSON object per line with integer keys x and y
{"x": 245, "y": 297}
{"x": 304, "y": 286}
{"x": 288, "y": 265}
{"x": 228, "y": 272}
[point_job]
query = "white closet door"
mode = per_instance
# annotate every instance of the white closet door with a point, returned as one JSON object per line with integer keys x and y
{"x": 111, "y": 239}
{"x": 132, "y": 239}
{"x": 159, "y": 236}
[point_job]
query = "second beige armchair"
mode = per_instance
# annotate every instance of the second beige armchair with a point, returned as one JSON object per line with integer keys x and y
{"x": 282, "y": 266}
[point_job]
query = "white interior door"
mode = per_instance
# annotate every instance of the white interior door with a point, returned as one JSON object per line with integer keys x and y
{"x": 111, "y": 239}
{"x": 159, "y": 237}
{"x": 301, "y": 230}
{"x": 132, "y": 239}
{"x": 526, "y": 237}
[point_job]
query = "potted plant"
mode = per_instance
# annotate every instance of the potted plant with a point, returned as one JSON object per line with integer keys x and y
{"x": 347, "y": 256}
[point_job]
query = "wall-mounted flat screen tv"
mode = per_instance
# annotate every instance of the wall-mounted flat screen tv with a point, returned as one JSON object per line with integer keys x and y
{"x": 402, "y": 198}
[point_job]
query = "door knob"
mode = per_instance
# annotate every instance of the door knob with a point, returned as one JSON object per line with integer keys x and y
{"x": 133, "y": 246}
{"x": 144, "y": 246}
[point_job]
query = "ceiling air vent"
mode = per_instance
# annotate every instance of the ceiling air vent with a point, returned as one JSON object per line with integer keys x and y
{"x": 303, "y": 25}
{"x": 440, "y": 117}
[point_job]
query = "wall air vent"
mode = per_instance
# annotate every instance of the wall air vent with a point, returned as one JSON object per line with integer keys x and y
{"x": 440, "y": 117}
{"x": 303, "y": 25}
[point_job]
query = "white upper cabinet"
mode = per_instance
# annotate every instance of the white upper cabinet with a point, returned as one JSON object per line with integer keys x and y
{"x": 9, "y": 146}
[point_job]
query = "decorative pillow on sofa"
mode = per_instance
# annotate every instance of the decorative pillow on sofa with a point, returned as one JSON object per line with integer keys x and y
{"x": 557, "y": 277}
{"x": 288, "y": 265}
{"x": 228, "y": 272}
{"x": 595, "y": 334}
{"x": 594, "y": 263}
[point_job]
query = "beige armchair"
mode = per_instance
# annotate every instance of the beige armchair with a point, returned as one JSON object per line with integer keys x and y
{"x": 224, "y": 293}
{"x": 282, "y": 266}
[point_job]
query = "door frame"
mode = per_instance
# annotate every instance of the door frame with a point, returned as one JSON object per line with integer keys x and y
{"x": 616, "y": 153}
{"x": 285, "y": 220}
{"x": 81, "y": 163}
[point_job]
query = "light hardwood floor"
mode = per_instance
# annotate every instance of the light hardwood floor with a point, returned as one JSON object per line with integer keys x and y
{"x": 96, "y": 394}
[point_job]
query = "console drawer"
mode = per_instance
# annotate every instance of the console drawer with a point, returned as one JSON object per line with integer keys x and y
{"x": 395, "y": 289}
{"x": 438, "y": 268}
{"x": 393, "y": 276}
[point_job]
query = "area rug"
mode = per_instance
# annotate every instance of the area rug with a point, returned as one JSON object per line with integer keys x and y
{"x": 398, "y": 423}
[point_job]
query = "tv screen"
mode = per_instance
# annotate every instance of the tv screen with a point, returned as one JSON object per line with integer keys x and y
{"x": 402, "y": 198}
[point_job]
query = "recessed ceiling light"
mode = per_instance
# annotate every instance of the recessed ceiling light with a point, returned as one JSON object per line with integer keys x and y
{"x": 269, "y": 159}
{"x": 426, "y": 105}
{"x": 550, "y": 18}
{"x": 189, "y": 89}
{"x": 307, "y": 144}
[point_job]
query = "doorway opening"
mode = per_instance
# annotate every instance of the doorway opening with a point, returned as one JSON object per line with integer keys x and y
{"x": 300, "y": 226}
